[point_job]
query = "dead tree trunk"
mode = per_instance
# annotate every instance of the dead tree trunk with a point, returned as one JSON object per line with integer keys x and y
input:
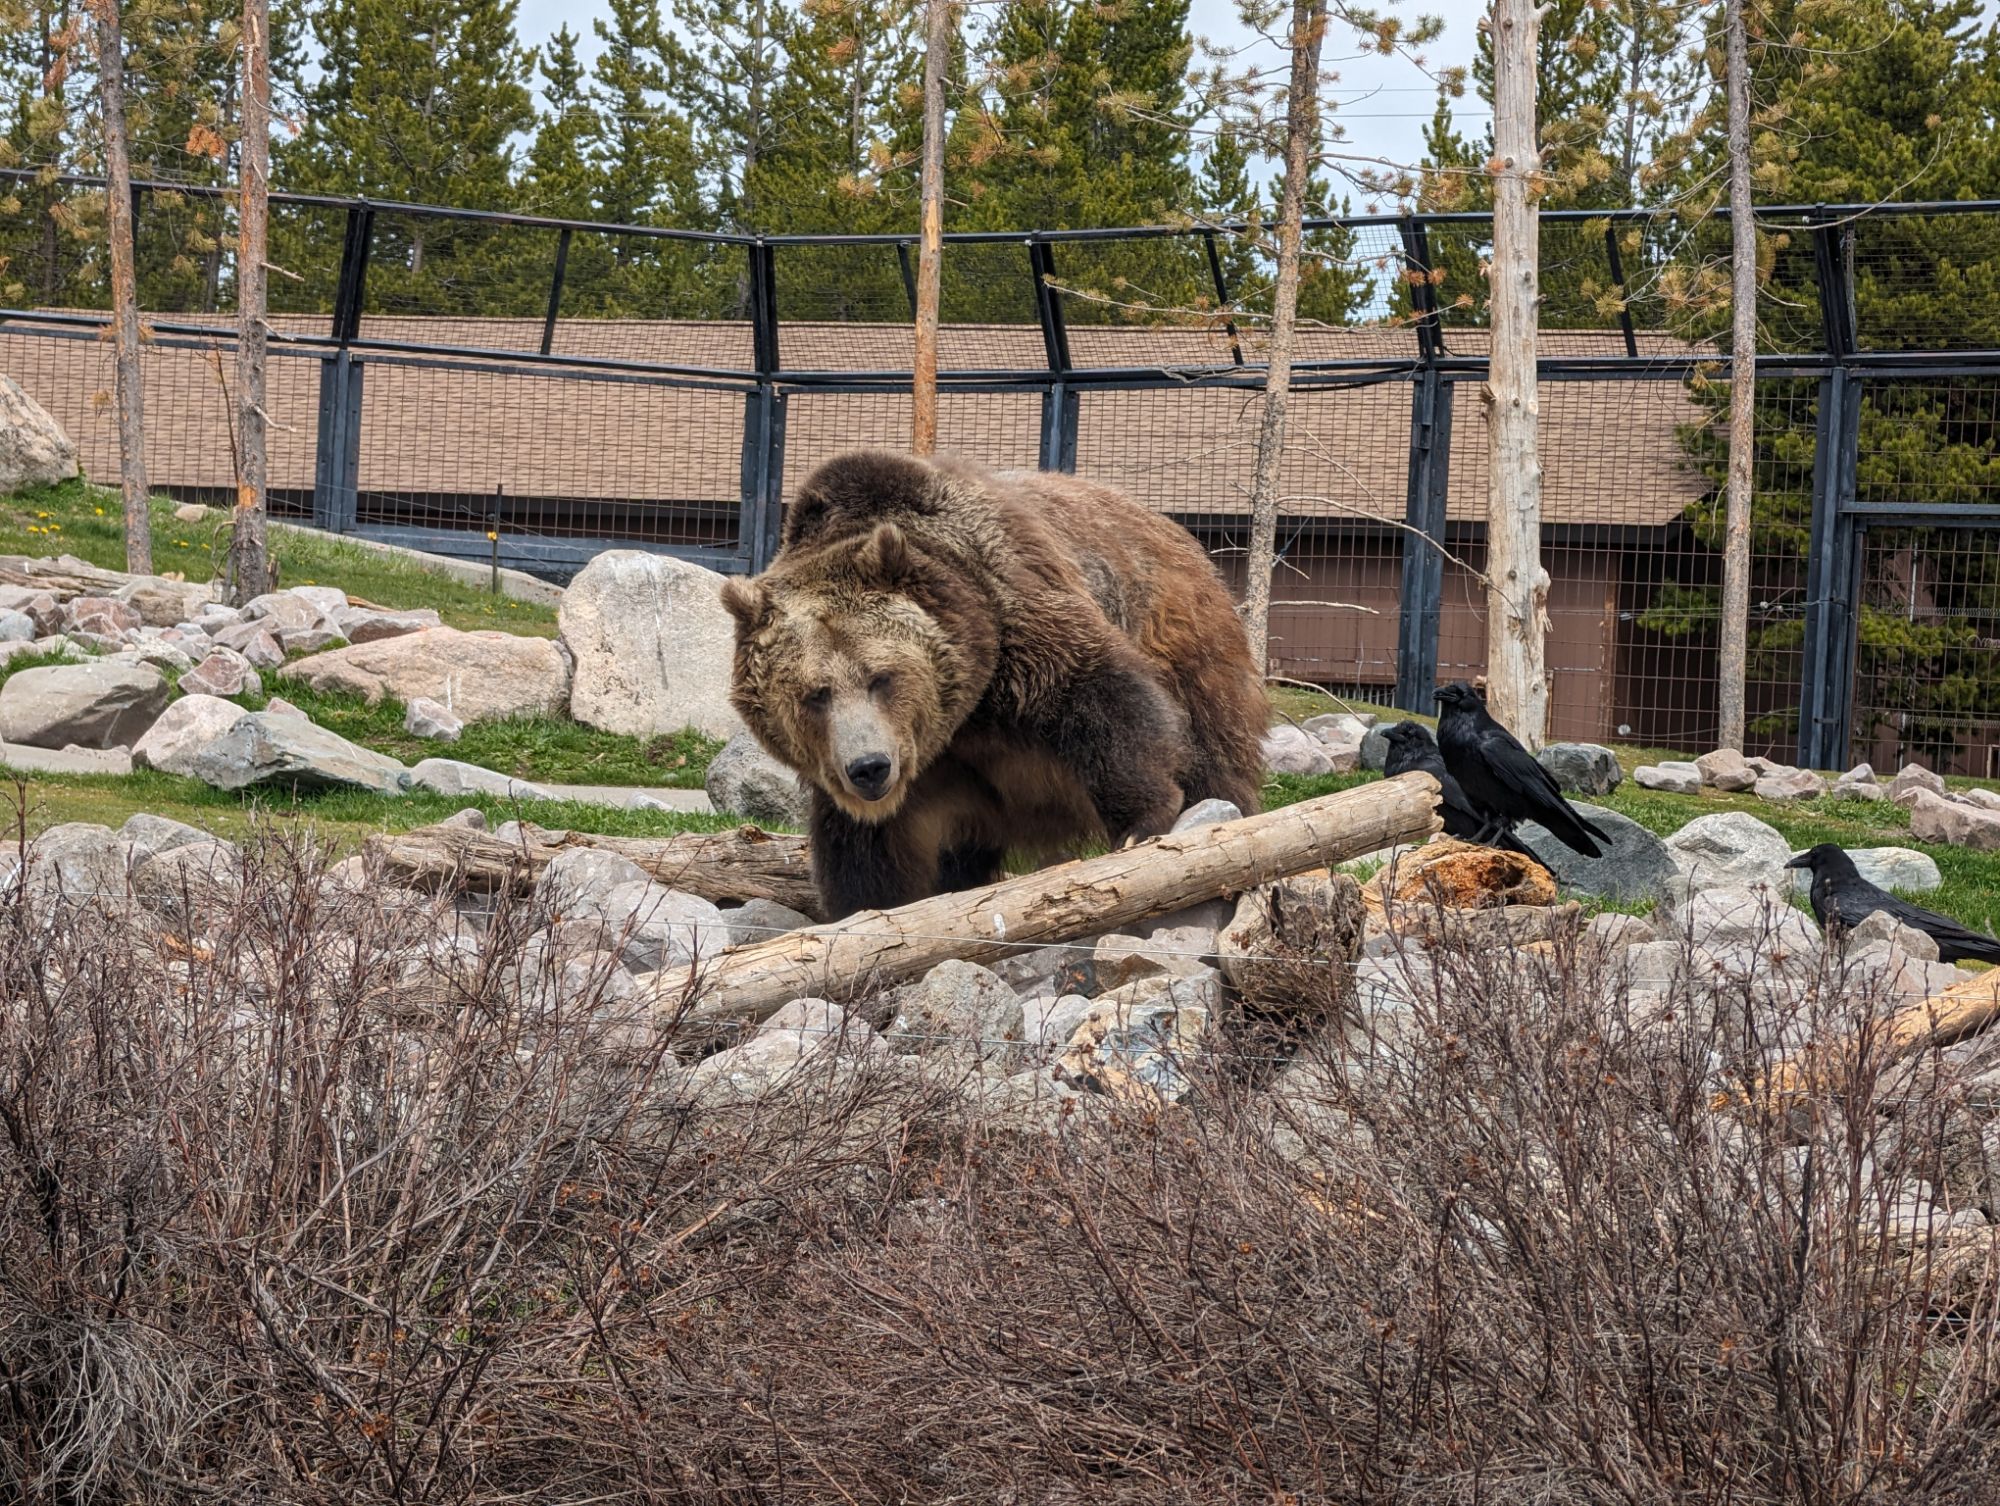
{"x": 1301, "y": 136}
{"x": 930, "y": 244}
{"x": 739, "y": 865}
{"x": 1733, "y": 660}
{"x": 129, "y": 379}
{"x": 876, "y": 948}
{"x": 249, "y": 557}
{"x": 1517, "y": 592}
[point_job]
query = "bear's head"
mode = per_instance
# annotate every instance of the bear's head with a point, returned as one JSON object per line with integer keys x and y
{"x": 856, "y": 662}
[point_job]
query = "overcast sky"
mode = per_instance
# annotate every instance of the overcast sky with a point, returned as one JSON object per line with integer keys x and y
{"x": 1385, "y": 102}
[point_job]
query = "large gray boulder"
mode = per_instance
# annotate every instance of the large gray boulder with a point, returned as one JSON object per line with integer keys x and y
{"x": 1731, "y": 849}
{"x": 1637, "y": 865}
{"x": 481, "y": 676}
{"x": 218, "y": 742}
{"x": 34, "y": 451}
{"x": 1582, "y": 768}
{"x": 1933, "y": 818}
{"x": 1897, "y": 868}
{"x": 751, "y": 783}
{"x": 959, "y": 1006}
{"x": 1293, "y": 750}
{"x": 653, "y": 646}
{"x": 105, "y": 703}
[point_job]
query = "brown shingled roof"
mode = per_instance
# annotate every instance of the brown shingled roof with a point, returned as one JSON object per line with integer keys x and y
{"x": 1611, "y": 449}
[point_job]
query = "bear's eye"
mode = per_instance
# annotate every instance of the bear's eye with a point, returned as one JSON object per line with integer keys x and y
{"x": 880, "y": 684}
{"x": 820, "y": 699}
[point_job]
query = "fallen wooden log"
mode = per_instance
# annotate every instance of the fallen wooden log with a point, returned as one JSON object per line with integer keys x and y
{"x": 1963, "y": 1009}
{"x": 877, "y": 948}
{"x": 744, "y": 864}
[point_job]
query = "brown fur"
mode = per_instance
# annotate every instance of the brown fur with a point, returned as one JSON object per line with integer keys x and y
{"x": 1041, "y": 661}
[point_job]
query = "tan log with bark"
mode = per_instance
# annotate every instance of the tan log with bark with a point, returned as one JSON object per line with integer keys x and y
{"x": 249, "y": 549}
{"x": 1517, "y": 591}
{"x": 1301, "y": 142}
{"x": 1733, "y": 657}
{"x": 876, "y": 948}
{"x": 1961, "y": 1010}
{"x": 743, "y": 864}
{"x": 938, "y": 33}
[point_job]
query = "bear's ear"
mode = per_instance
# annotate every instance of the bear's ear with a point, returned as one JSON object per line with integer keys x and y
{"x": 748, "y": 601}
{"x": 883, "y": 556}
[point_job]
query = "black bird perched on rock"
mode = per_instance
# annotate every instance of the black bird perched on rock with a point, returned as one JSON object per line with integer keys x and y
{"x": 1411, "y": 751}
{"x": 1500, "y": 778}
{"x": 1840, "y": 895}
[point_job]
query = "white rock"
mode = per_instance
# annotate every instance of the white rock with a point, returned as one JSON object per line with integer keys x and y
{"x": 1787, "y": 785}
{"x": 1672, "y": 778}
{"x": 1910, "y": 779}
{"x": 105, "y": 704}
{"x": 1726, "y": 769}
{"x": 1290, "y": 750}
{"x": 959, "y": 1006}
{"x": 223, "y": 673}
{"x": 34, "y": 450}
{"x": 1933, "y": 818}
{"x": 221, "y": 744}
{"x": 743, "y": 778}
{"x": 447, "y": 776}
{"x": 654, "y": 647}
{"x": 1207, "y": 813}
{"x": 481, "y": 676}
{"x": 426, "y": 718}
{"x": 16, "y": 627}
{"x": 653, "y": 926}
{"x": 367, "y": 625}
{"x": 1731, "y": 849}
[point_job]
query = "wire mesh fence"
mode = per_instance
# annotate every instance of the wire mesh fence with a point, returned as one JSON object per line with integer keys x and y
{"x": 441, "y": 376}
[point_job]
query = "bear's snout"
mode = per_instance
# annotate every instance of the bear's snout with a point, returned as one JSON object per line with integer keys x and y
{"x": 869, "y": 775}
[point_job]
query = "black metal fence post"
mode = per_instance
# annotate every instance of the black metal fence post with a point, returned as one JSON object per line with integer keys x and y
{"x": 762, "y": 481}
{"x": 1420, "y": 603}
{"x": 1060, "y": 408}
{"x": 556, "y": 289}
{"x": 337, "y": 442}
{"x": 1833, "y": 574}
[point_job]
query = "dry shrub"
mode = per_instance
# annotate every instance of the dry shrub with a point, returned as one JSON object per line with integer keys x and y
{"x": 315, "y": 1205}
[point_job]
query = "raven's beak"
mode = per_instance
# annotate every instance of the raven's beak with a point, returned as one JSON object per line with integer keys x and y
{"x": 1803, "y": 860}
{"x": 1438, "y": 694}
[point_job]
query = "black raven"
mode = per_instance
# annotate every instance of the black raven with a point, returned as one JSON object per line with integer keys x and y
{"x": 1411, "y": 751}
{"x": 1841, "y": 895}
{"x": 1500, "y": 778}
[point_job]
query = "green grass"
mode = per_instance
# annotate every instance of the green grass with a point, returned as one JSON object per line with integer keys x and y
{"x": 544, "y": 749}
{"x": 343, "y": 818}
{"x": 77, "y": 518}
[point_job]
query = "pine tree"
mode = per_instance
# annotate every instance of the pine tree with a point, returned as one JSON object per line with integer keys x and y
{"x": 560, "y": 179}
{"x": 724, "y": 62}
{"x": 643, "y": 167}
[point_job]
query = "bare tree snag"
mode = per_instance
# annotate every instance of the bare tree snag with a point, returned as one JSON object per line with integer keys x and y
{"x": 1301, "y": 138}
{"x": 876, "y": 948}
{"x": 129, "y": 379}
{"x": 249, "y": 557}
{"x": 930, "y": 243}
{"x": 743, "y": 864}
{"x": 1732, "y": 666}
{"x": 1961, "y": 1010}
{"x": 1517, "y": 593}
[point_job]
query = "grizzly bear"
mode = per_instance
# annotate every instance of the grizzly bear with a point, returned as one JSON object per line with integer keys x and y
{"x": 961, "y": 663}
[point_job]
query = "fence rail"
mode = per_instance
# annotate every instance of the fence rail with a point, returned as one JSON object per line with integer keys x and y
{"x": 441, "y": 373}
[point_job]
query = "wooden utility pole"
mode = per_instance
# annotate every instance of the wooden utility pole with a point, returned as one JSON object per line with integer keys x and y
{"x": 930, "y": 245}
{"x": 129, "y": 379}
{"x": 249, "y": 559}
{"x": 1517, "y": 593}
{"x": 1732, "y": 665}
{"x": 1301, "y": 137}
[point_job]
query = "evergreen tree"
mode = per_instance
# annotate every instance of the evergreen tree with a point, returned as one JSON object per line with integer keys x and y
{"x": 724, "y": 63}
{"x": 420, "y": 100}
{"x": 1223, "y": 194}
{"x": 561, "y": 179}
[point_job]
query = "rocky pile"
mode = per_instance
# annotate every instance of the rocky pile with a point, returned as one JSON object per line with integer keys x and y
{"x": 1327, "y": 744}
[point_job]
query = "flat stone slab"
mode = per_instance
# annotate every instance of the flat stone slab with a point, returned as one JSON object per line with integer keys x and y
{"x": 65, "y": 760}
{"x": 625, "y": 797}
